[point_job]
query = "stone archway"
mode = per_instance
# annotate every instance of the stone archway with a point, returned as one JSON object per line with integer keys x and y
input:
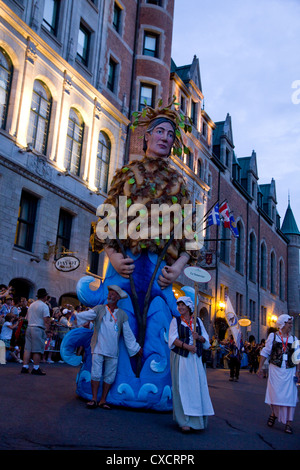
{"x": 69, "y": 298}
{"x": 22, "y": 287}
{"x": 203, "y": 314}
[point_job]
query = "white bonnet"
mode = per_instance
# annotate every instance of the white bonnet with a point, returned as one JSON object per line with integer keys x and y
{"x": 281, "y": 320}
{"x": 187, "y": 301}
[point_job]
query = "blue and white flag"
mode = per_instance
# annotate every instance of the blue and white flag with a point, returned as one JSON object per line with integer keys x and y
{"x": 233, "y": 323}
{"x": 214, "y": 216}
{"x": 233, "y": 227}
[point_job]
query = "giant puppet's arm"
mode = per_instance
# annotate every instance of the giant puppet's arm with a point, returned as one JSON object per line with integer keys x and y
{"x": 171, "y": 273}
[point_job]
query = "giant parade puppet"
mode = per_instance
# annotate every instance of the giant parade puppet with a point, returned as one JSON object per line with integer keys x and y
{"x": 141, "y": 263}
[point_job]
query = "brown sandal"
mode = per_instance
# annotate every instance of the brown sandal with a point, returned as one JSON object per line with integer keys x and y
{"x": 271, "y": 420}
{"x": 91, "y": 405}
{"x": 288, "y": 429}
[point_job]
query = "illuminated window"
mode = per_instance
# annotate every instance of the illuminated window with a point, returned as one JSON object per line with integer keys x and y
{"x": 102, "y": 163}
{"x": 39, "y": 117}
{"x": 5, "y": 82}
{"x": 74, "y": 142}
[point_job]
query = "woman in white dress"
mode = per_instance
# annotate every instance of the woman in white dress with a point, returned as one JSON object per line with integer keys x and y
{"x": 191, "y": 401}
{"x": 282, "y": 350}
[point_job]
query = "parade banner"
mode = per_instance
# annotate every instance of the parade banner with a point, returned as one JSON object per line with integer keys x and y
{"x": 232, "y": 321}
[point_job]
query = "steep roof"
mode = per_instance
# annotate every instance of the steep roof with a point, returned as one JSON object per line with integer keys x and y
{"x": 248, "y": 164}
{"x": 188, "y": 72}
{"x": 223, "y": 128}
{"x": 269, "y": 191}
{"x": 289, "y": 225}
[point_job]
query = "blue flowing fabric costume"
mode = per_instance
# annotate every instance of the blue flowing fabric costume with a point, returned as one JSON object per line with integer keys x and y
{"x": 152, "y": 389}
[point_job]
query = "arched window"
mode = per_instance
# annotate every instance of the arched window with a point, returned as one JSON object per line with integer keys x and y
{"x": 225, "y": 245}
{"x": 281, "y": 280}
{"x": 273, "y": 273}
{"x": 102, "y": 163}
{"x": 252, "y": 257}
{"x": 5, "y": 82}
{"x": 239, "y": 258}
{"x": 263, "y": 266}
{"x": 39, "y": 117}
{"x": 74, "y": 142}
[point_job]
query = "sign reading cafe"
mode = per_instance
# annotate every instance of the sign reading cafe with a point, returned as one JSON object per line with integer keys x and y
{"x": 67, "y": 263}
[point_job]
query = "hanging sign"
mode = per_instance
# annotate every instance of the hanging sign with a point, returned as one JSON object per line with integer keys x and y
{"x": 197, "y": 274}
{"x": 67, "y": 263}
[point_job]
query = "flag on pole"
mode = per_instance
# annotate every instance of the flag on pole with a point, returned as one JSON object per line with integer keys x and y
{"x": 224, "y": 212}
{"x": 233, "y": 227}
{"x": 214, "y": 216}
{"x": 233, "y": 324}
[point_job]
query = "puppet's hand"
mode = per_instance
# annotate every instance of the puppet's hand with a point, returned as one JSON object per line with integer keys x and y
{"x": 123, "y": 266}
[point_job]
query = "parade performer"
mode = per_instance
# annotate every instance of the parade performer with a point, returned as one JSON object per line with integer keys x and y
{"x": 282, "y": 349}
{"x": 109, "y": 322}
{"x": 142, "y": 265}
{"x": 191, "y": 401}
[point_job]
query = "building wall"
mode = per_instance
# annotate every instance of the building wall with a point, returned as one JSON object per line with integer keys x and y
{"x": 227, "y": 279}
{"x": 44, "y": 175}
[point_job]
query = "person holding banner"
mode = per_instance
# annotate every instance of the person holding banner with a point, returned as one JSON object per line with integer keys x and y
{"x": 234, "y": 357}
{"x": 283, "y": 352}
{"x": 191, "y": 400}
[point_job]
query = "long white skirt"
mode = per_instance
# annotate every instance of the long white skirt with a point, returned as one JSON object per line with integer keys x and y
{"x": 191, "y": 400}
{"x": 282, "y": 393}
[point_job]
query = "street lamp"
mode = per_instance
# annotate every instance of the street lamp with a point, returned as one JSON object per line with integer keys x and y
{"x": 273, "y": 319}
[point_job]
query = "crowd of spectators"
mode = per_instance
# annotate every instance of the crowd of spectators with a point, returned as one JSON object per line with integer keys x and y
{"x": 13, "y": 310}
{"x": 13, "y": 324}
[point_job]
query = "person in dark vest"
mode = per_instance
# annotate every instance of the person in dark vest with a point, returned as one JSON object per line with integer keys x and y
{"x": 191, "y": 400}
{"x": 282, "y": 350}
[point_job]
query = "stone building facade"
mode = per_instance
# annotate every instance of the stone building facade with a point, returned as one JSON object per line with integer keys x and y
{"x": 258, "y": 271}
{"x": 73, "y": 72}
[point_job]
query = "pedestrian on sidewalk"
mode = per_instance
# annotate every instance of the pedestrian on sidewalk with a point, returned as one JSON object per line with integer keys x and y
{"x": 38, "y": 317}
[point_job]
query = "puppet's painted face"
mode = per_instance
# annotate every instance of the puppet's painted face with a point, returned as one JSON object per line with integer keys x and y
{"x": 160, "y": 141}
